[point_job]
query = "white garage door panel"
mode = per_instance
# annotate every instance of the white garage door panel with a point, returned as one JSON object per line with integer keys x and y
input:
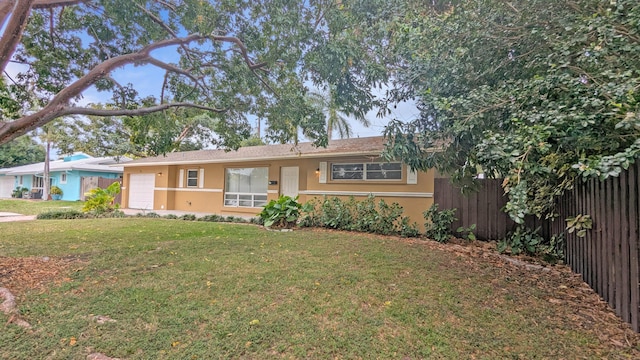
{"x": 6, "y": 186}
{"x": 141, "y": 188}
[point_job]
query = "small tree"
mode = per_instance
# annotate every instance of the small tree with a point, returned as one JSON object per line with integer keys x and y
{"x": 101, "y": 200}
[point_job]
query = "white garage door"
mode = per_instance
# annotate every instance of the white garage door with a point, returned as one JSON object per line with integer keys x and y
{"x": 141, "y": 191}
{"x": 6, "y": 186}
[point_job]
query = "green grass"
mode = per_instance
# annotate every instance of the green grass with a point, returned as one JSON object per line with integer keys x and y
{"x": 35, "y": 207}
{"x": 193, "y": 290}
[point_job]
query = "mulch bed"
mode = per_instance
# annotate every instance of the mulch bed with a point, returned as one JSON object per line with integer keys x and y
{"x": 33, "y": 273}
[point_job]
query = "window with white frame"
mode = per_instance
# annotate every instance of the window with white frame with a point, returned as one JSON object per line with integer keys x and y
{"x": 367, "y": 171}
{"x": 246, "y": 187}
{"x": 63, "y": 178}
{"x": 192, "y": 178}
{"x": 37, "y": 182}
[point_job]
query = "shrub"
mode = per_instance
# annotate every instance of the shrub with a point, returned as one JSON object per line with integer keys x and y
{"x": 101, "y": 200}
{"x": 367, "y": 218}
{"x": 17, "y": 193}
{"x": 522, "y": 240}
{"x": 408, "y": 229}
{"x": 55, "y": 190}
{"x": 467, "y": 233}
{"x": 309, "y": 214}
{"x": 336, "y": 214}
{"x": 212, "y": 218}
{"x": 108, "y": 215}
{"x": 57, "y": 214}
{"x": 362, "y": 216}
{"x": 438, "y": 225}
{"x": 281, "y": 213}
{"x": 188, "y": 217}
{"x": 388, "y": 216}
{"x": 170, "y": 216}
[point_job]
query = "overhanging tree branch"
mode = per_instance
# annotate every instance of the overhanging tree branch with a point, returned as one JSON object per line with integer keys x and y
{"x": 135, "y": 112}
{"x": 59, "y": 105}
{"x": 18, "y": 11}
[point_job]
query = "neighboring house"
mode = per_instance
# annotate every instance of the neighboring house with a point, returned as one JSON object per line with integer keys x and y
{"x": 67, "y": 173}
{"x": 241, "y": 182}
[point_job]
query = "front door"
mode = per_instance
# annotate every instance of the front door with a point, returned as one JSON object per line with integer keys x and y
{"x": 289, "y": 181}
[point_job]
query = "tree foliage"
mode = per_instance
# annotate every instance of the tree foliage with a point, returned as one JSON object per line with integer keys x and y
{"x": 231, "y": 59}
{"x": 337, "y": 121}
{"x": 535, "y": 92}
{"x": 22, "y": 151}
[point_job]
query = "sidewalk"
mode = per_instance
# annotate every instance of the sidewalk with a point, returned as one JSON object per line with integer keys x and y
{"x": 9, "y": 217}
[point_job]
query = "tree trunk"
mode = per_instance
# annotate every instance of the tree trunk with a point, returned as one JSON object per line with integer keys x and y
{"x": 45, "y": 184}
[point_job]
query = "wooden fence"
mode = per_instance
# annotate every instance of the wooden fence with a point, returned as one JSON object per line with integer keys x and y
{"x": 607, "y": 257}
{"x": 482, "y": 208}
{"x": 92, "y": 182}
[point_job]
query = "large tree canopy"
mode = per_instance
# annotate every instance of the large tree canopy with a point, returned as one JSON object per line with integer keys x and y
{"x": 22, "y": 151}
{"x": 536, "y": 92}
{"x": 231, "y": 59}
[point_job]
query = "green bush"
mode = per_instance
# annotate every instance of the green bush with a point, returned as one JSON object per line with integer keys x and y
{"x": 438, "y": 225}
{"x": 188, "y": 217}
{"x": 281, "y": 213}
{"x": 101, "y": 200}
{"x": 336, "y": 214}
{"x": 17, "y": 193}
{"x": 57, "y": 214}
{"x": 108, "y": 215}
{"x": 407, "y": 229}
{"x": 522, "y": 240}
{"x": 55, "y": 190}
{"x": 363, "y": 216}
{"x": 367, "y": 215}
{"x": 212, "y": 218}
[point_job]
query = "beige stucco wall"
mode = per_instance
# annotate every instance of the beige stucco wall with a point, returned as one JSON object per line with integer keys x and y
{"x": 168, "y": 195}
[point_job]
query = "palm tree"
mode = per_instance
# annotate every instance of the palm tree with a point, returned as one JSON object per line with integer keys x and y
{"x": 336, "y": 119}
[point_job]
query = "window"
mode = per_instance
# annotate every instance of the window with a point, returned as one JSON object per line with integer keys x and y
{"x": 21, "y": 180}
{"x": 63, "y": 178}
{"x": 192, "y": 178}
{"x": 37, "y": 182}
{"x": 246, "y": 187}
{"x": 367, "y": 171}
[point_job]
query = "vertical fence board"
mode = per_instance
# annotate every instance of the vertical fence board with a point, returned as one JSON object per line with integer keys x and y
{"x": 604, "y": 233}
{"x": 599, "y": 232}
{"x": 634, "y": 275}
{"x": 624, "y": 203}
{"x": 593, "y": 263}
{"x": 610, "y": 245}
{"x": 617, "y": 237}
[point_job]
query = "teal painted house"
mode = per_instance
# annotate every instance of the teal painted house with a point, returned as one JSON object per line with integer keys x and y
{"x": 73, "y": 174}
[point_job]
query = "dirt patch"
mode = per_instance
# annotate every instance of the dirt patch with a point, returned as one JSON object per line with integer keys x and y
{"x": 33, "y": 273}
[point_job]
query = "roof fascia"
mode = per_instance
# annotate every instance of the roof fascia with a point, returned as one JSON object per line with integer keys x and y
{"x": 220, "y": 161}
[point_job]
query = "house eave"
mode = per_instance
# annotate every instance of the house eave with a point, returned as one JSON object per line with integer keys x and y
{"x": 252, "y": 159}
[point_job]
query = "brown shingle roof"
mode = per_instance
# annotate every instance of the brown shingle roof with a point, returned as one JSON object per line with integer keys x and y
{"x": 354, "y": 146}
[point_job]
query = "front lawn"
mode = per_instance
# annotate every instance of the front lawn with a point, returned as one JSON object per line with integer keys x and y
{"x": 35, "y": 207}
{"x": 167, "y": 289}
